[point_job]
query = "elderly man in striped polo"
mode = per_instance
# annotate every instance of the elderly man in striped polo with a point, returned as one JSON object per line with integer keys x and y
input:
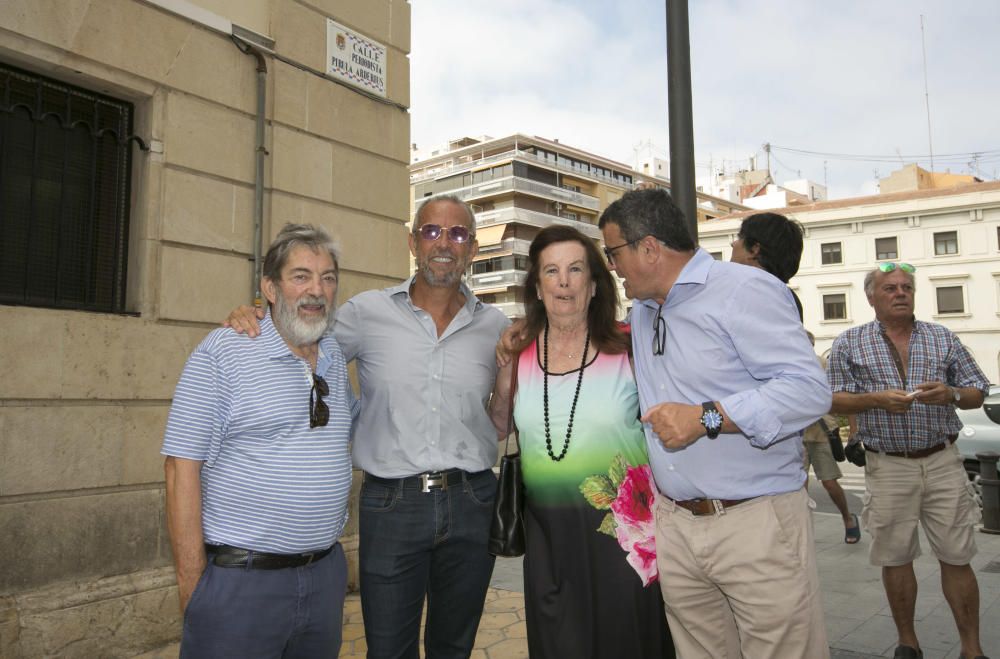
{"x": 258, "y": 470}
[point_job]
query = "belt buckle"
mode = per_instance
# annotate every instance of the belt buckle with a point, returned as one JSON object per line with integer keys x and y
{"x": 436, "y": 480}
{"x": 311, "y": 555}
{"x": 720, "y": 509}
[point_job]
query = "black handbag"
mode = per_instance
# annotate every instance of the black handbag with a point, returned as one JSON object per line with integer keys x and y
{"x": 507, "y": 527}
{"x": 855, "y": 452}
{"x": 836, "y": 446}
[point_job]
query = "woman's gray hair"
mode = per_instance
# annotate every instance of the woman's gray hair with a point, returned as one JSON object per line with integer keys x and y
{"x": 292, "y": 236}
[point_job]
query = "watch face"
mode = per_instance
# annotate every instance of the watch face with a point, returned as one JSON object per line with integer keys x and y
{"x": 711, "y": 419}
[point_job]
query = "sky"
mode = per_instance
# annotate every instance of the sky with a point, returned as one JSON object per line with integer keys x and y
{"x": 841, "y": 78}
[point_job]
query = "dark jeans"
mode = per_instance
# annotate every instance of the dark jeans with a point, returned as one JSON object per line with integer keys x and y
{"x": 292, "y": 613}
{"x": 415, "y": 544}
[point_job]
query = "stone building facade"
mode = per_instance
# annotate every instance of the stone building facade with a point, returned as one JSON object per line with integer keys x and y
{"x": 92, "y": 353}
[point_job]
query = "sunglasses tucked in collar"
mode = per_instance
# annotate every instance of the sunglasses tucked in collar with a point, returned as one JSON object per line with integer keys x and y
{"x": 319, "y": 412}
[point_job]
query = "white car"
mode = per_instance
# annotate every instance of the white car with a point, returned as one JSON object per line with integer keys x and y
{"x": 980, "y": 432}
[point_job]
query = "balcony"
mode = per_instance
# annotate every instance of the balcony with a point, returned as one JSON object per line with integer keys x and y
{"x": 514, "y": 154}
{"x": 511, "y": 245}
{"x": 534, "y": 219}
{"x": 522, "y": 185}
{"x": 501, "y": 279}
{"x": 510, "y": 309}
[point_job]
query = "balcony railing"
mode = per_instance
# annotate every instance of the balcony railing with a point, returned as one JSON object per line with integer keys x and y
{"x": 496, "y": 279}
{"x": 510, "y": 309}
{"x": 513, "y": 245}
{"x": 518, "y": 184}
{"x": 519, "y": 155}
{"x": 533, "y": 218}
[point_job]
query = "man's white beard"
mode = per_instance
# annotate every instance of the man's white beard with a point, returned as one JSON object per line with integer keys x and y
{"x": 297, "y": 330}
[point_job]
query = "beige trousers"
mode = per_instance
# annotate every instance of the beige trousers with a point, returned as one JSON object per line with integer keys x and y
{"x": 742, "y": 583}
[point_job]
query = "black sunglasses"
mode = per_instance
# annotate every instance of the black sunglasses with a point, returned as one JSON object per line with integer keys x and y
{"x": 456, "y": 234}
{"x": 319, "y": 413}
{"x": 659, "y": 332}
{"x": 609, "y": 252}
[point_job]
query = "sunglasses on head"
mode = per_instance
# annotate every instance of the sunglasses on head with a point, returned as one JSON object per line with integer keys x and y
{"x": 319, "y": 413}
{"x": 456, "y": 234}
{"x": 889, "y": 267}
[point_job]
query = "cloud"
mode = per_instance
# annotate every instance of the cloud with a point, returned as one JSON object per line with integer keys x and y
{"x": 834, "y": 78}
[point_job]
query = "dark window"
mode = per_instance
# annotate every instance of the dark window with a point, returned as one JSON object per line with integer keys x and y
{"x": 950, "y": 299}
{"x": 830, "y": 253}
{"x": 946, "y": 243}
{"x": 716, "y": 255}
{"x": 835, "y": 306}
{"x": 886, "y": 248}
{"x": 65, "y": 162}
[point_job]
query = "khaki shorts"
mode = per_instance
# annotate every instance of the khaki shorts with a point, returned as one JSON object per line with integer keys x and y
{"x": 819, "y": 455}
{"x": 934, "y": 491}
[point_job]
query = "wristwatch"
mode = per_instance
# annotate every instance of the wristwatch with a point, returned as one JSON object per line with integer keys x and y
{"x": 956, "y": 394}
{"x": 711, "y": 419}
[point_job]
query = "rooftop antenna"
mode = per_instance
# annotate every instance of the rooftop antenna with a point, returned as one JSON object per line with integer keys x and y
{"x": 927, "y": 95}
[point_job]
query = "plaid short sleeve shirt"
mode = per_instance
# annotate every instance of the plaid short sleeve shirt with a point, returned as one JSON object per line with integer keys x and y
{"x": 863, "y": 361}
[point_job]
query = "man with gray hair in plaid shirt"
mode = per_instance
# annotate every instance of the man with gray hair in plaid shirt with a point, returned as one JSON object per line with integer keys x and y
{"x": 903, "y": 378}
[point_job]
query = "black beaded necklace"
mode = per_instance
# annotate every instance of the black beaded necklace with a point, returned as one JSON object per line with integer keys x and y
{"x": 545, "y": 394}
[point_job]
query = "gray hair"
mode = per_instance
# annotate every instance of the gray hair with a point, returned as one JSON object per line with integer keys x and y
{"x": 445, "y": 198}
{"x": 870, "y": 280}
{"x": 292, "y": 236}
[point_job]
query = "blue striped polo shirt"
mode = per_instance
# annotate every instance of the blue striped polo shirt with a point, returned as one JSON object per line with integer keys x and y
{"x": 269, "y": 482}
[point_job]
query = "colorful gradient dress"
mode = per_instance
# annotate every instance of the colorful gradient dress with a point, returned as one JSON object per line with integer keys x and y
{"x": 590, "y": 585}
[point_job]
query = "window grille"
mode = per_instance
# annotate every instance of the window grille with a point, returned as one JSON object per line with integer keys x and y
{"x": 65, "y": 171}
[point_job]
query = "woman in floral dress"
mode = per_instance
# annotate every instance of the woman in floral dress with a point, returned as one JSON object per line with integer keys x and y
{"x": 590, "y": 564}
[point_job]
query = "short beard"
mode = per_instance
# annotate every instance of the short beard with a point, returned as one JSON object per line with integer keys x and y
{"x": 296, "y": 330}
{"x": 449, "y": 280}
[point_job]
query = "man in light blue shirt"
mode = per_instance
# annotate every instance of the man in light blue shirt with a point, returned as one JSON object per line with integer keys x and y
{"x": 258, "y": 470}
{"x": 727, "y": 380}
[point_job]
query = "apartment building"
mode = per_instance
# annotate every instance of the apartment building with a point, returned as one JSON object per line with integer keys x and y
{"x": 951, "y": 235}
{"x": 140, "y": 141}
{"x": 518, "y": 185}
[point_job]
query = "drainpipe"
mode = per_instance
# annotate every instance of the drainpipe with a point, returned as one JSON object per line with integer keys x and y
{"x": 259, "y": 152}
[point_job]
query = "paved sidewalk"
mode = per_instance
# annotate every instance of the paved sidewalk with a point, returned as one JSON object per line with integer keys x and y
{"x": 858, "y": 621}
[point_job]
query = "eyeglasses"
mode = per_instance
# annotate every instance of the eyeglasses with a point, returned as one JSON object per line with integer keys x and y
{"x": 659, "y": 332}
{"x": 456, "y": 234}
{"x": 319, "y": 413}
{"x": 889, "y": 267}
{"x": 609, "y": 252}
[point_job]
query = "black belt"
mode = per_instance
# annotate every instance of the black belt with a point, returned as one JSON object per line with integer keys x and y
{"x": 434, "y": 480}
{"x": 919, "y": 453}
{"x": 226, "y": 556}
{"x": 699, "y": 507}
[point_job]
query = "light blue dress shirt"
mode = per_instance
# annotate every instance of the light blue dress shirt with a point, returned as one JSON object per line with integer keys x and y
{"x": 733, "y": 336}
{"x": 423, "y": 396}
